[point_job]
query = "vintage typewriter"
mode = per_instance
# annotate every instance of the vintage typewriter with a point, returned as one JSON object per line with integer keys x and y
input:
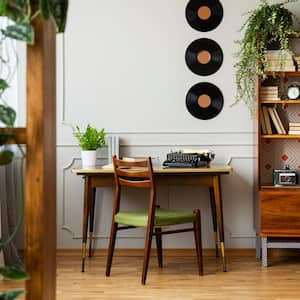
{"x": 189, "y": 159}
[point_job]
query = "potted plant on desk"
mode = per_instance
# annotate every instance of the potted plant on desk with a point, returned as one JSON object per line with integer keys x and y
{"x": 89, "y": 141}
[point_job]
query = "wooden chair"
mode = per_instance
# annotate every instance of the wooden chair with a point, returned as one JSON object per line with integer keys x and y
{"x": 139, "y": 174}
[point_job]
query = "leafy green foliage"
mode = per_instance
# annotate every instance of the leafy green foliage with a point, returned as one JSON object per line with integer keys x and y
{"x": 6, "y": 157}
{"x": 7, "y": 115}
{"x": 3, "y": 4}
{"x": 44, "y": 8}
{"x": 58, "y": 10}
{"x": 91, "y": 138}
{"x": 3, "y": 84}
{"x": 20, "y": 12}
{"x": 15, "y": 10}
{"x": 10, "y": 295}
{"x": 266, "y": 25}
{"x": 13, "y": 273}
{"x": 20, "y": 31}
{"x": 4, "y": 138}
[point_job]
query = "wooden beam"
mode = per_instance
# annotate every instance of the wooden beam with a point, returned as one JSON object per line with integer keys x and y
{"x": 19, "y": 133}
{"x": 40, "y": 205}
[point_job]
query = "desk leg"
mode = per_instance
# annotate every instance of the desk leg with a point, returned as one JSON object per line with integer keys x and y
{"x": 219, "y": 211}
{"x": 86, "y": 209}
{"x": 91, "y": 225}
{"x": 214, "y": 218}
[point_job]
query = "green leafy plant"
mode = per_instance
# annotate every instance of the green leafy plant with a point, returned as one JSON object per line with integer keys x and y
{"x": 91, "y": 138}
{"x": 266, "y": 25}
{"x": 21, "y": 14}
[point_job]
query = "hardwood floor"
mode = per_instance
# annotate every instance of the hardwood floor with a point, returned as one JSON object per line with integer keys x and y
{"x": 178, "y": 280}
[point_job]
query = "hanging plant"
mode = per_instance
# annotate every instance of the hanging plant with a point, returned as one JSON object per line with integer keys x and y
{"x": 266, "y": 25}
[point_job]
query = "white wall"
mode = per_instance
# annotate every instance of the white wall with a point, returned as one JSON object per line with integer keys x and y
{"x": 121, "y": 66}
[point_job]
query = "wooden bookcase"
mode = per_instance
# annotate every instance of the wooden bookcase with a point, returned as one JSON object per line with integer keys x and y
{"x": 278, "y": 206}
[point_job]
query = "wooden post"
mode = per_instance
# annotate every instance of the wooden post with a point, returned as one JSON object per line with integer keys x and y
{"x": 40, "y": 202}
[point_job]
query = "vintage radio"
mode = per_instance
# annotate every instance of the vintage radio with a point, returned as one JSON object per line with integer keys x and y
{"x": 285, "y": 177}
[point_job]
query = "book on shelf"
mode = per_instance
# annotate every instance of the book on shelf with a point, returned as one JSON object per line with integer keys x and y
{"x": 274, "y": 120}
{"x": 294, "y": 124}
{"x": 294, "y": 128}
{"x": 279, "y": 54}
{"x": 267, "y": 119}
{"x": 282, "y": 129}
{"x": 263, "y": 123}
{"x": 279, "y": 69}
{"x": 294, "y": 132}
{"x": 269, "y": 93}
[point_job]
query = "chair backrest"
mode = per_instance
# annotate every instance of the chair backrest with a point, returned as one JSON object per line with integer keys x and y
{"x": 135, "y": 173}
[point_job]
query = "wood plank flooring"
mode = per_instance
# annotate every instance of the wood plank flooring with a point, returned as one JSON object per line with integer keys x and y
{"x": 178, "y": 280}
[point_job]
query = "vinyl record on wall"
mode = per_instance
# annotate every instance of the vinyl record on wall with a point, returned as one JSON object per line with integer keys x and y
{"x": 204, "y": 100}
{"x": 204, "y": 56}
{"x": 204, "y": 15}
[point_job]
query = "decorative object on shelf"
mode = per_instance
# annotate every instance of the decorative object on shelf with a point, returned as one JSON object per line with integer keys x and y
{"x": 285, "y": 177}
{"x": 266, "y": 25}
{"x": 293, "y": 91}
{"x": 204, "y": 56}
{"x": 89, "y": 141}
{"x": 204, "y": 100}
{"x": 204, "y": 15}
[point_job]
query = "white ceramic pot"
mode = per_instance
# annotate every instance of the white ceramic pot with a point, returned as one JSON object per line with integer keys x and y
{"x": 88, "y": 158}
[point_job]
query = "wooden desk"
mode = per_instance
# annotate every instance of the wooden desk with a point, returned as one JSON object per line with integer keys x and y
{"x": 209, "y": 177}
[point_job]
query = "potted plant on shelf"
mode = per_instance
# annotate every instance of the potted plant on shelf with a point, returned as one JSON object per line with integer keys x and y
{"x": 89, "y": 141}
{"x": 266, "y": 25}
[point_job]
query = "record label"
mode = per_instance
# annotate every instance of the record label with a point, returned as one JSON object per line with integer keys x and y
{"x": 204, "y": 15}
{"x": 204, "y": 57}
{"x": 204, "y": 12}
{"x": 204, "y": 101}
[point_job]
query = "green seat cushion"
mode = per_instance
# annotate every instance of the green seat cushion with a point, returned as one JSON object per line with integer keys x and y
{"x": 163, "y": 217}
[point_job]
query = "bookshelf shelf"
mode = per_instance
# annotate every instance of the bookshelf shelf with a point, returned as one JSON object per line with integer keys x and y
{"x": 279, "y": 188}
{"x": 280, "y": 136}
{"x": 287, "y": 101}
{"x": 284, "y": 74}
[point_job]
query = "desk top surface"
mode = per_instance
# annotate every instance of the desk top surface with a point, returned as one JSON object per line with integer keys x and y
{"x": 215, "y": 168}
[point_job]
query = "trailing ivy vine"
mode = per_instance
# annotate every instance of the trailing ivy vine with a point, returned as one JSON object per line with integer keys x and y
{"x": 266, "y": 25}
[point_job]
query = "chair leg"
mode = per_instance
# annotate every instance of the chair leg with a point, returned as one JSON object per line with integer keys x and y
{"x": 111, "y": 248}
{"x": 198, "y": 241}
{"x": 147, "y": 253}
{"x": 159, "y": 246}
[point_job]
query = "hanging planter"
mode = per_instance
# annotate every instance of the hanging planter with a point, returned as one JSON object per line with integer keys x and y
{"x": 266, "y": 25}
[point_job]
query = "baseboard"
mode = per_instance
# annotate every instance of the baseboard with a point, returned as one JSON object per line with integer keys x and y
{"x": 230, "y": 252}
{"x": 166, "y": 252}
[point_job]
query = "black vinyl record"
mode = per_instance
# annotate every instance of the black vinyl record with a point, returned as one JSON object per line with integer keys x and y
{"x": 204, "y": 15}
{"x": 204, "y": 56}
{"x": 204, "y": 100}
